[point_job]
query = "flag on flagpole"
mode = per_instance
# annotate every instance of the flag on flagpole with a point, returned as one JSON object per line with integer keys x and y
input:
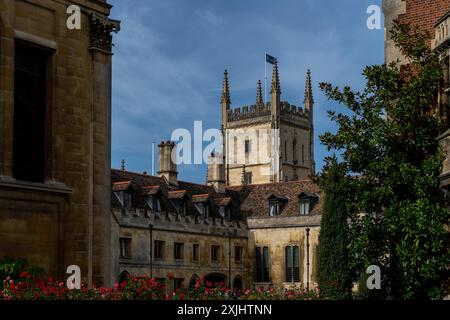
{"x": 270, "y": 59}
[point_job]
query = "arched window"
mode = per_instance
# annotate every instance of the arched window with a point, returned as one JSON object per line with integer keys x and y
{"x": 285, "y": 151}
{"x": 294, "y": 151}
{"x": 235, "y": 151}
{"x": 237, "y": 283}
{"x": 194, "y": 280}
{"x": 303, "y": 153}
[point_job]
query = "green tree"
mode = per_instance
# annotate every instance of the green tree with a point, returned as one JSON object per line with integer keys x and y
{"x": 333, "y": 273}
{"x": 388, "y": 139}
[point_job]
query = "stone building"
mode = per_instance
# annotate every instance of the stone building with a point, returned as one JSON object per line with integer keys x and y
{"x": 268, "y": 141}
{"x": 55, "y": 128}
{"x": 283, "y": 222}
{"x": 433, "y": 17}
{"x": 244, "y": 236}
{"x": 166, "y": 226}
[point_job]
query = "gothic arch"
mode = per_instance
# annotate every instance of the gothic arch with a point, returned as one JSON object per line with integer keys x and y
{"x": 193, "y": 280}
{"x": 215, "y": 279}
{"x": 124, "y": 275}
{"x": 237, "y": 283}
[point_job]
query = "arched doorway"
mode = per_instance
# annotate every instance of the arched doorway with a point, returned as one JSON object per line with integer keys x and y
{"x": 215, "y": 279}
{"x": 237, "y": 283}
{"x": 124, "y": 275}
{"x": 195, "y": 278}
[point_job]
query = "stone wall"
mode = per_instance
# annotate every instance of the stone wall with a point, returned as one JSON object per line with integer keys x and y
{"x": 185, "y": 230}
{"x": 277, "y": 233}
{"x": 424, "y": 14}
{"x": 66, "y": 219}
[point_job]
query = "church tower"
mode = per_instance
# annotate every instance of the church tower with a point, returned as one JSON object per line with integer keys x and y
{"x": 269, "y": 141}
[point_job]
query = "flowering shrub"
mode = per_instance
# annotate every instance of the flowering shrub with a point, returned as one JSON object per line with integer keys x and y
{"x": 28, "y": 287}
{"x": 22, "y": 282}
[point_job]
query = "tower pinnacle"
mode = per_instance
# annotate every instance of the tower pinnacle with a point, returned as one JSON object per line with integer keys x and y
{"x": 309, "y": 100}
{"x": 275, "y": 80}
{"x": 259, "y": 98}
{"x": 225, "y": 90}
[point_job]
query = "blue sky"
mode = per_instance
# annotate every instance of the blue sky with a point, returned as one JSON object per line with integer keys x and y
{"x": 170, "y": 55}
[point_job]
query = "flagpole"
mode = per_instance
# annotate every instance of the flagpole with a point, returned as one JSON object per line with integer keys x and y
{"x": 265, "y": 78}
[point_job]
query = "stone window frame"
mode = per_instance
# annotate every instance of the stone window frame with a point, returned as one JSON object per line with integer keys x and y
{"x": 159, "y": 253}
{"x": 125, "y": 247}
{"x": 178, "y": 251}
{"x": 238, "y": 254}
{"x": 195, "y": 252}
{"x": 293, "y": 275}
{"x": 215, "y": 253}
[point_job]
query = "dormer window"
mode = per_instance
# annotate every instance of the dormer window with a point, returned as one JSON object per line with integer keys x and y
{"x": 178, "y": 199}
{"x": 180, "y": 206}
{"x": 305, "y": 206}
{"x": 154, "y": 203}
{"x": 122, "y": 191}
{"x": 201, "y": 204}
{"x": 225, "y": 213}
{"x": 274, "y": 208}
{"x": 203, "y": 209}
{"x": 127, "y": 199}
{"x": 307, "y": 200}
{"x": 152, "y": 197}
{"x": 276, "y": 204}
{"x": 223, "y": 205}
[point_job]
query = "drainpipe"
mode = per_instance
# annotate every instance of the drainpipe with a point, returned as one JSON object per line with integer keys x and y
{"x": 307, "y": 258}
{"x": 150, "y": 227}
{"x": 229, "y": 259}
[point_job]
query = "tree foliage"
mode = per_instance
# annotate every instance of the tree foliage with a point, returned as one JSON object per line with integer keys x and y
{"x": 333, "y": 272}
{"x": 392, "y": 161}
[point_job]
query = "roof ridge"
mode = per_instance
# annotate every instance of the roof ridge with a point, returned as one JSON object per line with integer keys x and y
{"x": 272, "y": 183}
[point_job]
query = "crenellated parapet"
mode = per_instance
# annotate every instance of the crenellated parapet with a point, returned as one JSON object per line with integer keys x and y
{"x": 248, "y": 112}
{"x": 142, "y": 218}
{"x": 291, "y": 109}
{"x": 252, "y": 112}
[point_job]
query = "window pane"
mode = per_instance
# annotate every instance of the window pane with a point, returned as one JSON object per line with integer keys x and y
{"x": 265, "y": 264}
{"x": 288, "y": 259}
{"x": 29, "y": 114}
{"x": 296, "y": 264}
{"x": 258, "y": 265}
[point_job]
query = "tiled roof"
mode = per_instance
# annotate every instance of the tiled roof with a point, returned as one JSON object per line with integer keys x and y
{"x": 121, "y": 185}
{"x": 254, "y": 198}
{"x": 143, "y": 185}
{"x": 278, "y": 197}
{"x": 308, "y": 194}
{"x": 200, "y": 198}
{"x": 150, "y": 190}
{"x": 244, "y": 201}
{"x": 223, "y": 201}
{"x": 178, "y": 194}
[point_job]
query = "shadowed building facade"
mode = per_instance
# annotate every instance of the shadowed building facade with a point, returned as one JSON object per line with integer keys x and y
{"x": 55, "y": 129}
{"x": 434, "y": 18}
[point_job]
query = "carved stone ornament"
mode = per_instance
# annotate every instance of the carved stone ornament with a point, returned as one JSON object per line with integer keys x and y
{"x": 101, "y": 28}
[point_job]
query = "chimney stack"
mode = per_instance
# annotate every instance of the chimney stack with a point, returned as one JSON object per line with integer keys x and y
{"x": 216, "y": 172}
{"x": 166, "y": 167}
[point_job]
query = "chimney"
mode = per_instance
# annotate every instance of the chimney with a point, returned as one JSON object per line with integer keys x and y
{"x": 166, "y": 167}
{"x": 216, "y": 172}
